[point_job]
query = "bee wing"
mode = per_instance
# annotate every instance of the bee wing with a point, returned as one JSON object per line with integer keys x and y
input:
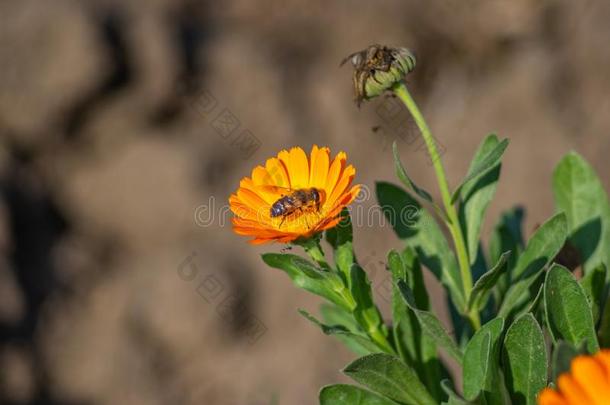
{"x": 276, "y": 189}
{"x": 355, "y": 58}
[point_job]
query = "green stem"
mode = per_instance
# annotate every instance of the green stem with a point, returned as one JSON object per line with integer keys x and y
{"x": 379, "y": 338}
{"x": 314, "y": 250}
{"x": 453, "y": 222}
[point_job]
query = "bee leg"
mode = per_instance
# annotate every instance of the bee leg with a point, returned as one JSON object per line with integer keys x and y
{"x": 282, "y": 221}
{"x": 305, "y": 218}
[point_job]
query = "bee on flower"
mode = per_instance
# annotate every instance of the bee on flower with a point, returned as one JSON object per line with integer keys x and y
{"x": 293, "y": 196}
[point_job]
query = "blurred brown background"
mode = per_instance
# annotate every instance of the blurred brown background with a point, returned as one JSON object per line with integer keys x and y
{"x": 125, "y": 125}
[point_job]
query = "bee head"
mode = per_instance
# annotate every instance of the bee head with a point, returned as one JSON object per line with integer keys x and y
{"x": 276, "y": 210}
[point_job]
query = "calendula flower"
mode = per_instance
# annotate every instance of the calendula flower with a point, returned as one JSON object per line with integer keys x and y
{"x": 293, "y": 196}
{"x": 587, "y": 383}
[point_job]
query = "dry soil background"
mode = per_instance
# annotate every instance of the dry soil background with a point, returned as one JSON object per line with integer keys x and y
{"x": 116, "y": 161}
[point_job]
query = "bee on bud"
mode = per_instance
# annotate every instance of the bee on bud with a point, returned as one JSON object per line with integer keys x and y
{"x": 377, "y": 68}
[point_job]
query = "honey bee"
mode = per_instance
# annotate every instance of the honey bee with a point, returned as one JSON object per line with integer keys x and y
{"x": 376, "y": 58}
{"x": 295, "y": 200}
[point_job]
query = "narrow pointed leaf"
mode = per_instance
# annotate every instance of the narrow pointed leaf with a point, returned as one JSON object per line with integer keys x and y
{"x": 402, "y": 175}
{"x": 358, "y": 343}
{"x": 483, "y": 286}
{"x": 334, "y": 315}
{"x": 476, "y": 196}
{"x": 431, "y": 325}
{"x": 604, "y": 325}
{"x": 507, "y": 236}
{"x": 541, "y": 249}
{"x": 307, "y": 276}
{"x": 482, "y": 165}
{"x": 416, "y": 348}
{"x": 366, "y": 312}
{"x": 419, "y": 229}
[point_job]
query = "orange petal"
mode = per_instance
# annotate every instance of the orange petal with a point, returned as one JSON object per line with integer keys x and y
{"x": 248, "y": 223}
{"x": 335, "y": 172}
{"x": 549, "y": 396}
{"x": 320, "y": 159}
{"x": 603, "y": 357}
{"x": 330, "y": 224}
{"x": 249, "y": 231}
{"x": 261, "y": 176}
{"x": 265, "y": 195}
{"x": 592, "y": 378}
{"x": 260, "y": 241}
{"x": 251, "y": 199}
{"x": 278, "y": 173}
{"x": 245, "y": 212}
{"x": 571, "y": 390}
{"x": 344, "y": 182}
{"x": 344, "y": 201}
{"x": 298, "y": 167}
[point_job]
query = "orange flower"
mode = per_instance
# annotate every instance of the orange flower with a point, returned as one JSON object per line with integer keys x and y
{"x": 281, "y": 177}
{"x": 587, "y": 383}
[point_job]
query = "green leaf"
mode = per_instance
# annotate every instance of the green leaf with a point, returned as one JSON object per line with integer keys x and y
{"x": 341, "y": 394}
{"x": 481, "y": 362}
{"x": 526, "y": 360}
{"x": 483, "y": 286}
{"x": 344, "y": 258}
{"x": 488, "y": 156}
{"x": 580, "y": 194}
{"x": 307, "y": 276}
{"x": 594, "y": 283}
{"x": 414, "y": 347}
{"x": 563, "y": 354}
{"x": 358, "y": 343}
{"x": 536, "y": 301}
{"x": 341, "y": 233}
{"x": 419, "y": 230}
{"x": 476, "y": 365}
{"x": 402, "y": 175}
{"x": 334, "y": 315}
{"x": 407, "y": 333}
{"x": 506, "y": 237}
{"x": 604, "y": 325}
{"x": 455, "y": 399}
{"x": 567, "y": 311}
{"x": 431, "y": 325}
{"x": 366, "y": 312}
{"x": 390, "y": 377}
{"x": 541, "y": 249}
{"x": 477, "y": 194}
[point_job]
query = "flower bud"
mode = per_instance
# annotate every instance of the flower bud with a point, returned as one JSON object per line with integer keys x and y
{"x": 378, "y": 68}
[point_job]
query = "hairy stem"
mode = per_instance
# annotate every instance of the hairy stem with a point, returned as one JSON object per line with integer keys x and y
{"x": 452, "y": 217}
